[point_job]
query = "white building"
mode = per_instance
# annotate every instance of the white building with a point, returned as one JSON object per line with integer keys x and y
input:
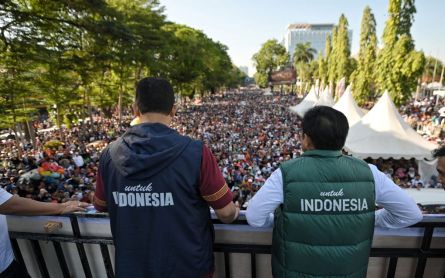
{"x": 316, "y": 34}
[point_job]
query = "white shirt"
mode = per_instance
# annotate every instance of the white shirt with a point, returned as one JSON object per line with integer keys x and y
{"x": 6, "y": 254}
{"x": 78, "y": 160}
{"x": 399, "y": 209}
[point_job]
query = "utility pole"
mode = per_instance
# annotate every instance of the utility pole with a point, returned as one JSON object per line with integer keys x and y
{"x": 434, "y": 72}
{"x": 441, "y": 75}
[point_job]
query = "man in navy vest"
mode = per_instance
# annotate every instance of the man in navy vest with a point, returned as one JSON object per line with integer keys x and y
{"x": 324, "y": 204}
{"x": 157, "y": 186}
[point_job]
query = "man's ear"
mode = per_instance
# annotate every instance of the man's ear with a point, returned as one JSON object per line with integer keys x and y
{"x": 136, "y": 111}
{"x": 173, "y": 111}
{"x": 307, "y": 143}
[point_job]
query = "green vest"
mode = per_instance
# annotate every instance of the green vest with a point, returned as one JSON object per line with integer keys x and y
{"x": 324, "y": 227}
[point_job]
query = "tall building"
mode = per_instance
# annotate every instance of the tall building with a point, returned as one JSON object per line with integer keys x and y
{"x": 316, "y": 34}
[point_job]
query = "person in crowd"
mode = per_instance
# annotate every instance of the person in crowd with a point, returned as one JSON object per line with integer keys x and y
{"x": 249, "y": 134}
{"x": 440, "y": 155}
{"x": 14, "y": 205}
{"x": 157, "y": 186}
{"x": 324, "y": 204}
{"x": 417, "y": 182}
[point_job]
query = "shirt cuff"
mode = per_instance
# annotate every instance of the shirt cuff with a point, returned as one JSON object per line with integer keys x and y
{"x": 99, "y": 204}
{"x": 219, "y": 199}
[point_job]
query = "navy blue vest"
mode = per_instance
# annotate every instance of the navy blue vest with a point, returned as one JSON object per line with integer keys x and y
{"x": 160, "y": 224}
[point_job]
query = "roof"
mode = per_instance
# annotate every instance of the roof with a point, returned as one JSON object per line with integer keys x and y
{"x": 383, "y": 133}
{"x": 347, "y": 105}
{"x": 307, "y": 103}
{"x": 310, "y": 26}
{"x": 325, "y": 98}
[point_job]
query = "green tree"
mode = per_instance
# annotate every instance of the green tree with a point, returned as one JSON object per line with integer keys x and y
{"x": 432, "y": 70}
{"x": 332, "y": 58}
{"x": 323, "y": 71}
{"x": 363, "y": 79}
{"x": 343, "y": 50}
{"x": 304, "y": 73}
{"x": 398, "y": 64}
{"x": 302, "y": 58}
{"x": 71, "y": 55}
{"x": 17, "y": 98}
{"x": 408, "y": 9}
{"x": 270, "y": 57}
{"x": 303, "y": 53}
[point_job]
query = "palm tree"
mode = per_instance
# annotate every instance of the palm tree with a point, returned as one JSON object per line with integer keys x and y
{"x": 304, "y": 53}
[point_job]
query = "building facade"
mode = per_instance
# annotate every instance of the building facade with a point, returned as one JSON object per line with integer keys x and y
{"x": 315, "y": 34}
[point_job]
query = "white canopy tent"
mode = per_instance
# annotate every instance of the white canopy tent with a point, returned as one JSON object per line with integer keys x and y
{"x": 440, "y": 93}
{"x": 325, "y": 98}
{"x": 434, "y": 86}
{"x": 383, "y": 133}
{"x": 267, "y": 92}
{"x": 347, "y": 105}
{"x": 307, "y": 103}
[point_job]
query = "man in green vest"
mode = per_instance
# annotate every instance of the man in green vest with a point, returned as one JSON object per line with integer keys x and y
{"x": 324, "y": 204}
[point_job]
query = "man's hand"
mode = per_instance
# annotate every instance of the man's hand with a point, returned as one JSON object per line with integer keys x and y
{"x": 228, "y": 214}
{"x": 73, "y": 206}
{"x": 23, "y": 206}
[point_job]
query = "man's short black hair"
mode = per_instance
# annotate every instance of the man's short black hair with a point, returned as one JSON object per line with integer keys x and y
{"x": 327, "y": 127}
{"x": 154, "y": 95}
{"x": 439, "y": 152}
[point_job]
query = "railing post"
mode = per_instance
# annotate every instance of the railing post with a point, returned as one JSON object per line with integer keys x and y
{"x": 426, "y": 243}
{"x": 17, "y": 253}
{"x": 107, "y": 260}
{"x": 40, "y": 260}
{"x": 227, "y": 264}
{"x": 80, "y": 247}
{"x": 253, "y": 264}
{"x": 392, "y": 267}
{"x": 61, "y": 259}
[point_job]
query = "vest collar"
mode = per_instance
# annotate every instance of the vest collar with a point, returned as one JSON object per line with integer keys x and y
{"x": 322, "y": 153}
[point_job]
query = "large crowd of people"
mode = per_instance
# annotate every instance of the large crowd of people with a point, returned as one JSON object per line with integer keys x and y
{"x": 62, "y": 166}
{"x": 427, "y": 117}
{"x": 249, "y": 133}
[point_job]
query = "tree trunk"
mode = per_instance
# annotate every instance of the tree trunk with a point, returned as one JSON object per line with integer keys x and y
{"x": 58, "y": 120}
{"x": 441, "y": 75}
{"x": 17, "y": 139}
{"x": 418, "y": 89}
{"x": 119, "y": 105}
{"x": 90, "y": 109}
{"x": 119, "y": 102}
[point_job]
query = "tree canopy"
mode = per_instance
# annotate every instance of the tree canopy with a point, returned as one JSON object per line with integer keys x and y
{"x": 363, "y": 79}
{"x": 399, "y": 65}
{"x": 270, "y": 57}
{"x": 68, "y": 56}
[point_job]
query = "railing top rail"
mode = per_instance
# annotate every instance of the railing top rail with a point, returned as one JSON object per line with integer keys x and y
{"x": 428, "y": 220}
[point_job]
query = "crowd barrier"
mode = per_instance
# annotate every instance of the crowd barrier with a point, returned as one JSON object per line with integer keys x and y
{"x": 80, "y": 245}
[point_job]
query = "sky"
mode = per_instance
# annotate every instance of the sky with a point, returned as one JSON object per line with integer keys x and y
{"x": 244, "y": 25}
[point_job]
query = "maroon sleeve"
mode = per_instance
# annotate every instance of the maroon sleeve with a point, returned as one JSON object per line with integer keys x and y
{"x": 213, "y": 187}
{"x": 99, "y": 200}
